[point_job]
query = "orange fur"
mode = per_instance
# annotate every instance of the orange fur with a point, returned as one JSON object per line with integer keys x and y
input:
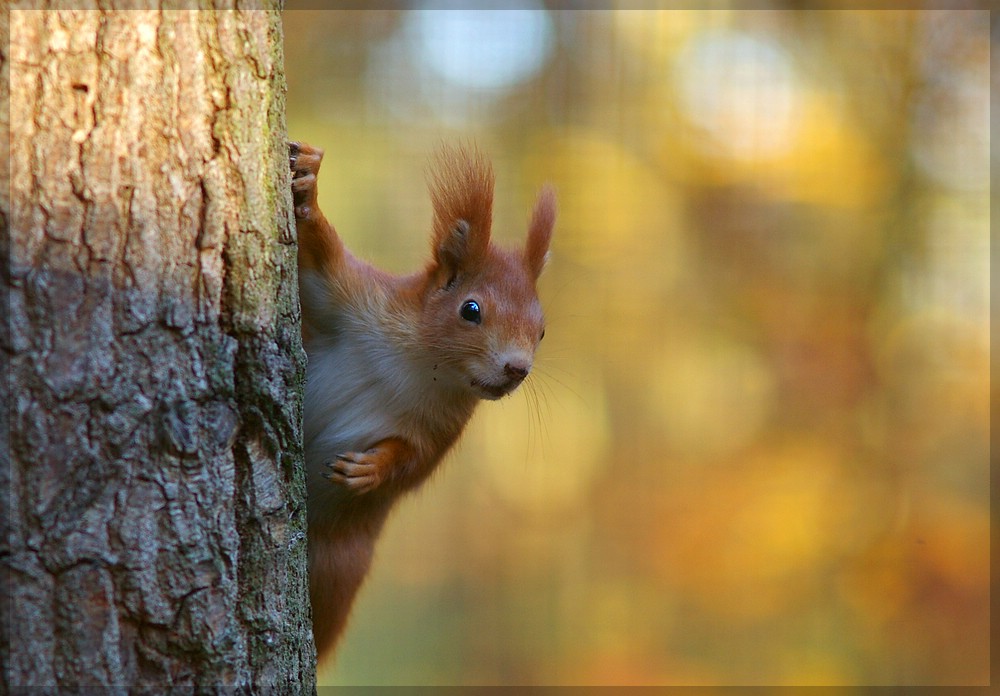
{"x": 398, "y": 364}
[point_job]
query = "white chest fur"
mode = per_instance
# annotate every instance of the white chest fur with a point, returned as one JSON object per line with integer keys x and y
{"x": 360, "y": 389}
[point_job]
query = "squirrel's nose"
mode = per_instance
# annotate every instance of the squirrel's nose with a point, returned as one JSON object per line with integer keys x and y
{"x": 516, "y": 371}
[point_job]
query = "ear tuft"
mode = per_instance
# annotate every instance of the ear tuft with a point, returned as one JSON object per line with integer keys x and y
{"x": 543, "y": 218}
{"x": 461, "y": 186}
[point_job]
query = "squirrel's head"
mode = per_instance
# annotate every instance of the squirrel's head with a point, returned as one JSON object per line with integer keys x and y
{"x": 482, "y": 319}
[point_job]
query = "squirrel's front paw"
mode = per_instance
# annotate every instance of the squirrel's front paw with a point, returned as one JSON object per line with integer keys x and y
{"x": 359, "y": 472}
{"x": 304, "y": 161}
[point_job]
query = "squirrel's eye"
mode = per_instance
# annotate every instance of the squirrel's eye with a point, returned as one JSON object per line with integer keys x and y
{"x": 542, "y": 336}
{"x": 470, "y": 312}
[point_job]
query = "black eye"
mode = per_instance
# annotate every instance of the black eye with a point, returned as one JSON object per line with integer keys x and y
{"x": 470, "y": 312}
{"x": 542, "y": 336}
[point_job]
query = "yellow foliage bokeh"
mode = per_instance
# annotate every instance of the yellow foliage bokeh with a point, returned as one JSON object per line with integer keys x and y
{"x": 755, "y": 445}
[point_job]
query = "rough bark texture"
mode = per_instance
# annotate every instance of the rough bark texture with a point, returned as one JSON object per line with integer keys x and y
{"x": 155, "y": 526}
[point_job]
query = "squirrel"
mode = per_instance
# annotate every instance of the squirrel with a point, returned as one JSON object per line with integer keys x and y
{"x": 396, "y": 365}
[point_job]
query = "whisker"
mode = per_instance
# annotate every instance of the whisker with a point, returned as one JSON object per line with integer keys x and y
{"x": 543, "y": 375}
{"x": 536, "y": 424}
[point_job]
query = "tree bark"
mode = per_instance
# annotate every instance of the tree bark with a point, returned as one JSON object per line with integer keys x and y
{"x": 155, "y": 532}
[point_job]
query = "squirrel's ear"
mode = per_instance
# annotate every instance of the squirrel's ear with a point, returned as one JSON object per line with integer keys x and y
{"x": 452, "y": 249}
{"x": 462, "y": 197}
{"x": 536, "y": 249}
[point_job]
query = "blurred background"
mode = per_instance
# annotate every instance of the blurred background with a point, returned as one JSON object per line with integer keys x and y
{"x": 755, "y": 448}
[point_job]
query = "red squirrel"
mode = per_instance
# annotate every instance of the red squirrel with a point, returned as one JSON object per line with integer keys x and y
{"x": 398, "y": 364}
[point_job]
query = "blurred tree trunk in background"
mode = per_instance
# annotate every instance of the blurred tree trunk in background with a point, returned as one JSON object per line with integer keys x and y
{"x": 155, "y": 534}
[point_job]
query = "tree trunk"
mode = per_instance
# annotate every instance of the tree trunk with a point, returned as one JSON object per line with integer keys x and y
{"x": 156, "y": 526}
